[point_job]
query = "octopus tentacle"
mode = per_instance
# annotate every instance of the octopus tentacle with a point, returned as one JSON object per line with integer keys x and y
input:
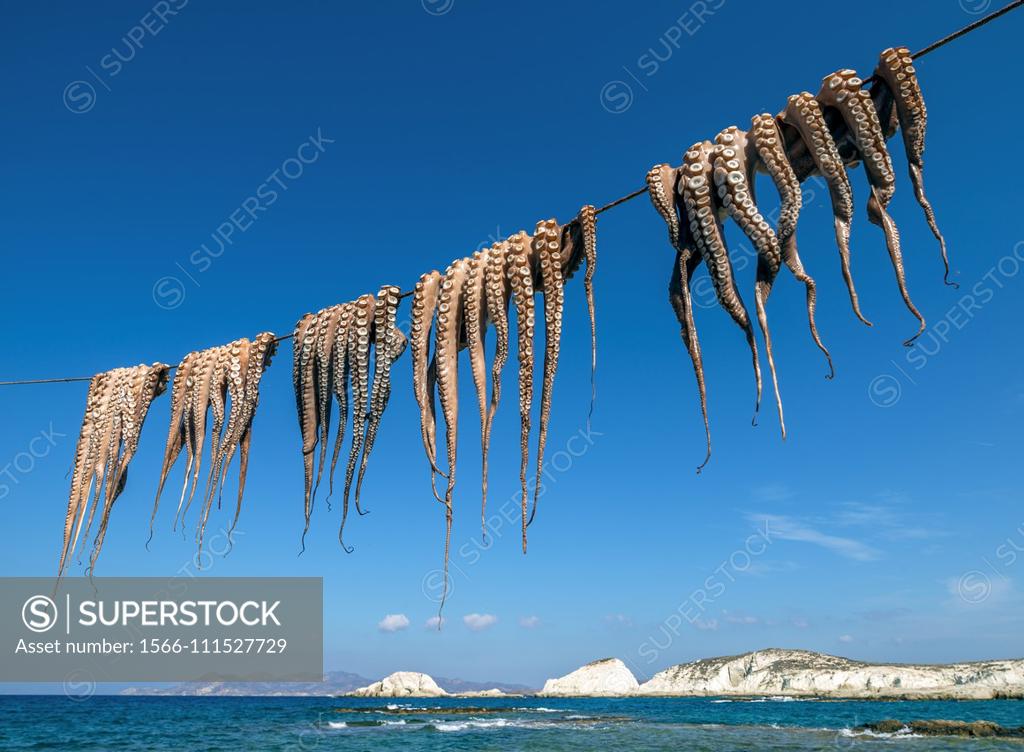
{"x": 735, "y": 193}
{"x": 546, "y": 249}
{"x": 262, "y": 350}
{"x": 81, "y": 464}
{"x": 238, "y": 367}
{"x": 424, "y": 305}
{"x": 475, "y": 325}
{"x": 767, "y": 150}
{"x": 303, "y": 361}
{"x": 497, "y": 292}
{"x": 842, "y": 90}
{"x": 323, "y": 365}
{"x": 520, "y": 274}
{"x": 694, "y": 185}
{"x": 579, "y": 239}
{"x": 803, "y": 112}
{"x": 180, "y": 388}
{"x": 685, "y": 264}
{"x": 896, "y": 71}
{"x": 341, "y": 371}
{"x": 388, "y": 343}
{"x": 203, "y": 398}
{"x": 359, "y": 354}
{"x": 661, "y": 189}
{"x": 449, "y": 324}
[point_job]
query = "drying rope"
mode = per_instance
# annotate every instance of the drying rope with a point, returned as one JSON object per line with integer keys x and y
{"x": 639, "y": 192}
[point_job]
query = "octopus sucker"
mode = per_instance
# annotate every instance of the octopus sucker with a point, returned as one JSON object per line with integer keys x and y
{"x": 694, "y": 184}
{"x": 475, "y": 329}
{"x": 766, "y": 150}
{"x": 424, "y": 371}
{"x": 520, "y": 274}
{"x": 116, "y": 407}
{"x": 842, "y": 90}
{"x": 897, "y": 73}
{"x": 735, "y": 192}
{"x": 388, "y": 344}
{"x": 497, "y": 293}
{"x": 546, "y": 251}
{"x": 803, "y": 112}
{"x": 449, "y": 326}
{"x": 359, "y": 354}
{"x": 661, "y": 189}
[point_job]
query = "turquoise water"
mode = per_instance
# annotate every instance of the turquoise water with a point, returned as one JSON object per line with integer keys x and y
{"x": 307, "y": 724}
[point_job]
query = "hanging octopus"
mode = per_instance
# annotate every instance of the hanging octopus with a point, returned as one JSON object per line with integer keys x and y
{"x": 424, "y": 368}
{"x": 332, "y": 349}
{"x": 842, "y": 91}
{"x": 116, "y": 407}
{"x": 896, "y": 74}
{"x": 694, "y": 186}
{"x": 520, "y": 275}
{"x": 823, "y": 134}
{"x": 388, "y": 345}
{"x": 579, "y": 244}
{"x": 661, "y": 189}
{"x": 546, "y": 250}
{"x": 225, "y": 379}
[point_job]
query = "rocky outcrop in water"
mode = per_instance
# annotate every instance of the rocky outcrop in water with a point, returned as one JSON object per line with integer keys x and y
{"x": 974, "y": 729}
{"x": 605, "y": 678}
{"x": 402, "y": 684}
{"x": 801, "y": 673}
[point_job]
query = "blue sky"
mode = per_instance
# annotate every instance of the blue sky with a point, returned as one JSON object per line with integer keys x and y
{"x": 886, "y": 527}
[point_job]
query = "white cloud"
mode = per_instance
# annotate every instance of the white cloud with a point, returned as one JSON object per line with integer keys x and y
{"x": 789, "y": 528}
{"x": 393, "y": 623}
{"x": 529, "y": 622}
{"x": 618, "y": 620}
{"x": 800, "y": 623}
{"x": 709, "y": 625}
{"x": 734, "y": 618}
{"x": 845, "y": 638}
{"x": 434, "y": 622}
{"x": 477, "y": 622}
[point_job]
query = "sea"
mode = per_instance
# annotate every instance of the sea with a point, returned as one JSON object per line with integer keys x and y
{"x": 305, "y": 724}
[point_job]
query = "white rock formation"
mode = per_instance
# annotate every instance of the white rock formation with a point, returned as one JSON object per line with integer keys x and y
{"x": 495, "y": 692}
{"x": 801, "y": 673}
{"x": 402, "y": 684}
{"x": 605, "y": 678}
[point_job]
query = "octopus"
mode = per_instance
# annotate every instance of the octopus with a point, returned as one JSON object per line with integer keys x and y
{"x": 826, "y": 133}
{"x": 661, "y": 189}
{"x": 332, "y": 351}
{"x": 116, "y": 407}
{"x": 226, "y": 380}
{"x": 865, "y": 142}
{"x": 546, "y": 247}
{"x": 424, "y": 368}
{"x": 580, "y": 243}
{"x": 520, "y": 275}
{"x": 702, "y": 211}
{"x": 896, "y": 75}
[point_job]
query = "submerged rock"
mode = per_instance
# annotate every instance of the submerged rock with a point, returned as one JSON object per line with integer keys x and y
{"x": 975, "y": 729}
{"x": 605, "y": 678}
{"x": 402, "y": 684}
{"x": 802, "y": 673}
